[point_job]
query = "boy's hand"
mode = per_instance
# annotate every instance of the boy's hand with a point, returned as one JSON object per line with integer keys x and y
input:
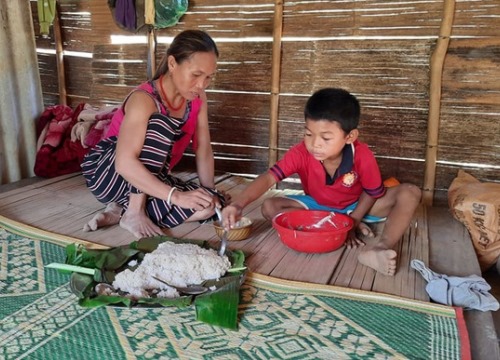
{"x": 353, "y": 241}
{"x": 365, "y": 230}
{"x": 230, "y": 215}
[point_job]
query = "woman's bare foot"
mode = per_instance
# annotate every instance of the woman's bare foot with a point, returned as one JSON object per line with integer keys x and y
{"x": 380, "y": 259}
{"x": 139, "y": 224}
{"x": 110, "y": 216}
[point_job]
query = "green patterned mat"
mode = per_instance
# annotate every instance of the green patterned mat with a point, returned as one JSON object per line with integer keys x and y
{"x": 40, "y": 319}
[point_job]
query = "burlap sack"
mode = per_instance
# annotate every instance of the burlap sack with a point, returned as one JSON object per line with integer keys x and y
{"x": 477, "y": 206}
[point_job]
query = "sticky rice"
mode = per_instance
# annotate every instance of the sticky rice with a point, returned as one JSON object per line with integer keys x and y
{"x": 242, "y": 223}
{"x": 177, "y": 264}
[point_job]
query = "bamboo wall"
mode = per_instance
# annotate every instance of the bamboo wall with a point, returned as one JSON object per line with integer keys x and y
{"x": 378, "y": 50}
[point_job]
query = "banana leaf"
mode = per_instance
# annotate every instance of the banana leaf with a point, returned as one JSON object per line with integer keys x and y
{"x": 71, "y": 268}
{"x": 81, "y": 284}
{"x": 218, "y": 307}
{"x": 109, "y": 259}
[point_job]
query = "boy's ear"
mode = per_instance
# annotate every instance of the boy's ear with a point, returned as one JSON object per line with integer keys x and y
{"x": 352, "y": 136}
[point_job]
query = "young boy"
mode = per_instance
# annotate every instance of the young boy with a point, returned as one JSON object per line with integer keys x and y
{"x": 338, "y": 173}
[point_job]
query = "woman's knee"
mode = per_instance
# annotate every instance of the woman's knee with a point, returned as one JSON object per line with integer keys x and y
{"x": 202, "y": 215}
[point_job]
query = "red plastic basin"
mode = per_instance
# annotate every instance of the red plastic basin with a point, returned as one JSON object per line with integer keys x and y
{"x": 295, "y": 230}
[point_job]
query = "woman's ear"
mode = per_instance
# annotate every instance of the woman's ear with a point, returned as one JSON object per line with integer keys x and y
{"x": 171, "y": 63}
{"x": 352, "y": 136}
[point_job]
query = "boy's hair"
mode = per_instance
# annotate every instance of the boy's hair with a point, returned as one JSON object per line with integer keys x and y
{"x": 334, "y": 104}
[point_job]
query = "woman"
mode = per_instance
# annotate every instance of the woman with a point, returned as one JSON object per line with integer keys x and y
{"x": 130, "y": 169}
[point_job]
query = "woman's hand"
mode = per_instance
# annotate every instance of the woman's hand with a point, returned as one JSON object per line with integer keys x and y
{"x": 216, "y": 200}
{"x": 198, "y": 199}
{"x": 225, "y": 195}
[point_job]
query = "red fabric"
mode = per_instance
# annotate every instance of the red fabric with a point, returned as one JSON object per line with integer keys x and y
{"x": 100, "y": 128}
{"x": 464, "y": 334}
{"x": 96, "y": 132}
{"x": 55, "y": 114}
{"x": 58, "y": 154}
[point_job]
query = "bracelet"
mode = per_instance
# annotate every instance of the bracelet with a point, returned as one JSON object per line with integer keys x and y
{"x": 169, "y": 197}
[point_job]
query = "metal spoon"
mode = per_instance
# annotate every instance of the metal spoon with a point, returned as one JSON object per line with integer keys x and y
{"x": 321, "y": 222}
{"x": 223, "y": 240}
{"x": 188, "y": 290}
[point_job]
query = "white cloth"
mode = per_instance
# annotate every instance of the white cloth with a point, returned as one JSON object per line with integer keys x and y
{"x": 469, "y": 292}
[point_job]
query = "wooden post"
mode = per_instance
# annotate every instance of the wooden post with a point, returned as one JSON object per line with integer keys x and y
{"x": 436, "y": 73}
{"x": 149, "y": 19}
{"x": 151, "y": 53}
{"x": 275, "y": 81}
{"x": 61, "y": 78}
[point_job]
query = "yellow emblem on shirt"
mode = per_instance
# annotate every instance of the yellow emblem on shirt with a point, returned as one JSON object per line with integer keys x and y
{"x": 349, "y": 179}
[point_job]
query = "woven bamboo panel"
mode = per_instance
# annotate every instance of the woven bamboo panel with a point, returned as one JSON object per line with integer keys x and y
{"x": 388, "y": 131}
{"x": 228, "y": 18}
{"x": 373, "y": 18}
{"x": 78, "y": 85}
{"x": 248, "y": 161}
{"x": 76, "y": 22}
{"x": 242, "y": 66}
{"x": 361, "y": 18}
{"x": 389, "y": 71}
{"x": 378, "y": 50}
{"x": 47, "y": 69}
{"x": 238, "y": 116}
{"x": 470, "y": 126}
{"x": 477, "y": 18}
{"x": 221, "y": 18}
{"x": 118, "y": 68}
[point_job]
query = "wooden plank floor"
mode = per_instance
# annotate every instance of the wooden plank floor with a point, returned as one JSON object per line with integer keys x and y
{"x": 64, "y": 204}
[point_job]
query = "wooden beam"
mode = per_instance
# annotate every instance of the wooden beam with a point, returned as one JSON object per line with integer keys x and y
{"x": 61, "y": 78}
{"x": 149, "y": 19}
{"x": 436, "y": 74}
{"x": 275, "y": 81}
{"x": 151, "y": 68}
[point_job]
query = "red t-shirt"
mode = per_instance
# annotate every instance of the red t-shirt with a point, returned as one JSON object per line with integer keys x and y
{"x": 358, "y": 172}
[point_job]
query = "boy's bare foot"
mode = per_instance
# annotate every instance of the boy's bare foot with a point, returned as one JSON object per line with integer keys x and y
{"x": 110, "y": 216}
{"x": 139, "y": 224}
{"x": 380, "y": 259}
